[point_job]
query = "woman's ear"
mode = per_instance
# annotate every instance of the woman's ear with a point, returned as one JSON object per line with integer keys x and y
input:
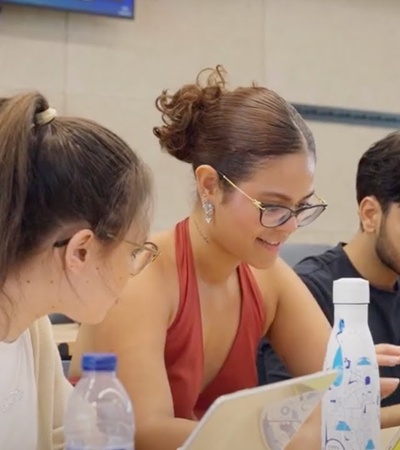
{"x": 79, "y": 250}
{"x": 207, "y": 180}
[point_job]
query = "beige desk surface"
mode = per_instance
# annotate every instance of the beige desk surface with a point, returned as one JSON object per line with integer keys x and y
{"x": 66, "y": 334}
{"x": 387, "y": 436}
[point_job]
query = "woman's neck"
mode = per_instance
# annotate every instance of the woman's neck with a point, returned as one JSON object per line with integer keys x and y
{"x": 23, "y": 300}
{"x": 214, "y": 264}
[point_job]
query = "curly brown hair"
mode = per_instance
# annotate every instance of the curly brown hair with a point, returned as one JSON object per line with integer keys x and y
{"x": 230, "y": 130}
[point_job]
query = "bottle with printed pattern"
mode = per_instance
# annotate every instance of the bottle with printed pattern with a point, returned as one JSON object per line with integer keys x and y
{"x": 351, "y": 406}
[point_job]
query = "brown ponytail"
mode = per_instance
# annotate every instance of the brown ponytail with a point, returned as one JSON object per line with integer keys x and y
{"x": 17, "y": 138}
{"x": 60, "y": 172}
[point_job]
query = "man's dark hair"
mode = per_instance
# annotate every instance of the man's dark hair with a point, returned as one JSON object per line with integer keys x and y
{"x": 378, "y": 172}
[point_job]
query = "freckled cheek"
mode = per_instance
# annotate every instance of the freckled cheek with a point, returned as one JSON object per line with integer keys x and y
{"x": 247, "y": 217}
{"x": 122, "y": 280}
{"x": 122, "y": 267}
{"x": 240, "y": 210}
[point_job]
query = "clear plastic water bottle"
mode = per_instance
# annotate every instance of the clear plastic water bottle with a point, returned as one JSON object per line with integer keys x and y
{"x": 99, "y": 414}
{"x": 351, "y": 407}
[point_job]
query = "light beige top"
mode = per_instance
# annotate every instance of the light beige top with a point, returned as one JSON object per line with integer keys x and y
{"x": 52, "y": 387}
{"x": 18, "y": 395}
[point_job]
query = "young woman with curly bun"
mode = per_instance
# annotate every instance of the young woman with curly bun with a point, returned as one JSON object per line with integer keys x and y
{"x": 186, "y": 330}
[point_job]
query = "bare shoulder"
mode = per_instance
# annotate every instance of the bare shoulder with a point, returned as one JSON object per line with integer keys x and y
{"x": 165, "y": 265}
{"x": 136, "y": 329}
{"x": 157, "y": 286}
{"x": 274, "y": 283}
{"x": 149, "y": 298}
{"x": 144, "y": 310}
{"x": 293, "y": 316}
{"x": 270, "y": 280}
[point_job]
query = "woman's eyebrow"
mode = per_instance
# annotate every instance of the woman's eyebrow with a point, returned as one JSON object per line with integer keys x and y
{"x": 284, "y": 197}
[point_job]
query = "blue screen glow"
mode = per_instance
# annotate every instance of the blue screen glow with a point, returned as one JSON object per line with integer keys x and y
{"x": 117, "y": 8}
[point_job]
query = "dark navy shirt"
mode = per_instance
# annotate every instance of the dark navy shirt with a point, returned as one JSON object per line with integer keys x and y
{"x": 318, "y": 273}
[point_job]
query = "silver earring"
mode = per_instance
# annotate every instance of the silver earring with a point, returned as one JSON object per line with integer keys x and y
{"x": 208, "y": 208}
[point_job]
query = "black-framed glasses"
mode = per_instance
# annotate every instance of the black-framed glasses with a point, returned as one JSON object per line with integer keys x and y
{"x": 142, "y": 255}
{"x": 272, "y": 216}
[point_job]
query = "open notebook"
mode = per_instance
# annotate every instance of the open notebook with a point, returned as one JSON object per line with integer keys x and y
{"x": 390, "y": 439}
{"x": 261, "y": 418}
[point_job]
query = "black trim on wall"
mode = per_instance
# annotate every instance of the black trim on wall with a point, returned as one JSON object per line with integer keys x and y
{"x": 348, "y": 116}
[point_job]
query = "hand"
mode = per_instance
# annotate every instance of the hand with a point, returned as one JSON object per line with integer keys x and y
{"x": 388, "y": 355}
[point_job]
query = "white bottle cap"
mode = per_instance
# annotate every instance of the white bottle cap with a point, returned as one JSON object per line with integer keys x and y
{"x": 350, "y": 291}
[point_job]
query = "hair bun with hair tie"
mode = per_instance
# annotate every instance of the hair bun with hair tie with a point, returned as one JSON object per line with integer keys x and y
{"x": 45, "y": 117}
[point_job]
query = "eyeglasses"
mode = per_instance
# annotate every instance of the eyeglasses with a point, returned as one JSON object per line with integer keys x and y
{"x": 142, "y": 255}
{"x": 272, "y": 216}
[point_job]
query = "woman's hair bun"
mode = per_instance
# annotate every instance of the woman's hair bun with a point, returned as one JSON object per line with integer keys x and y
{"x": 183, "y": 111}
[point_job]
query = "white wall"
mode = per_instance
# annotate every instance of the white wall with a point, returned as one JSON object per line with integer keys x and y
{"x": 313, "y": 51}
{"x": 340, "y": 53}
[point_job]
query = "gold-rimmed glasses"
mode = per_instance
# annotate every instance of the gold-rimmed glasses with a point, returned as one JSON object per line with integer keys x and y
{"x": 272, "y": 216}
{"x": 142, "y": 255}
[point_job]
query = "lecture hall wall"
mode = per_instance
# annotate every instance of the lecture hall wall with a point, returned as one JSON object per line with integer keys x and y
{"x": 340, "y": 53}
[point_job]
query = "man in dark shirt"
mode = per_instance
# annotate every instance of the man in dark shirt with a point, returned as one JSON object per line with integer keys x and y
{"x": 373, "y": 254}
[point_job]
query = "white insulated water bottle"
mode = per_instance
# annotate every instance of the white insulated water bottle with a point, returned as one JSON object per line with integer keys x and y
{"x": 351, "y": 406}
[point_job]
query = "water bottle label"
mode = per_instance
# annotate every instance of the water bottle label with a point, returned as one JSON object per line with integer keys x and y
{"x": 351, "y": 406}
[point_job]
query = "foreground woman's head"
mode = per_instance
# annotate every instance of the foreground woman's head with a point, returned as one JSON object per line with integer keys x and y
{"x": 73, "y": 209}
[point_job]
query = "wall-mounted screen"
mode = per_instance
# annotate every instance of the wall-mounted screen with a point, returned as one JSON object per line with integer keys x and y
{"x": 114, "y": 8}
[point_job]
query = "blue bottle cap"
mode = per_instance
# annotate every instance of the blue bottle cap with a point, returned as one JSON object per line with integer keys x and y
{"x": 104, "y": 362}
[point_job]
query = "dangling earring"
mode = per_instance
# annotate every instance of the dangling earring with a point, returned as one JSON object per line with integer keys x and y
{"x": 208, "y": 208}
